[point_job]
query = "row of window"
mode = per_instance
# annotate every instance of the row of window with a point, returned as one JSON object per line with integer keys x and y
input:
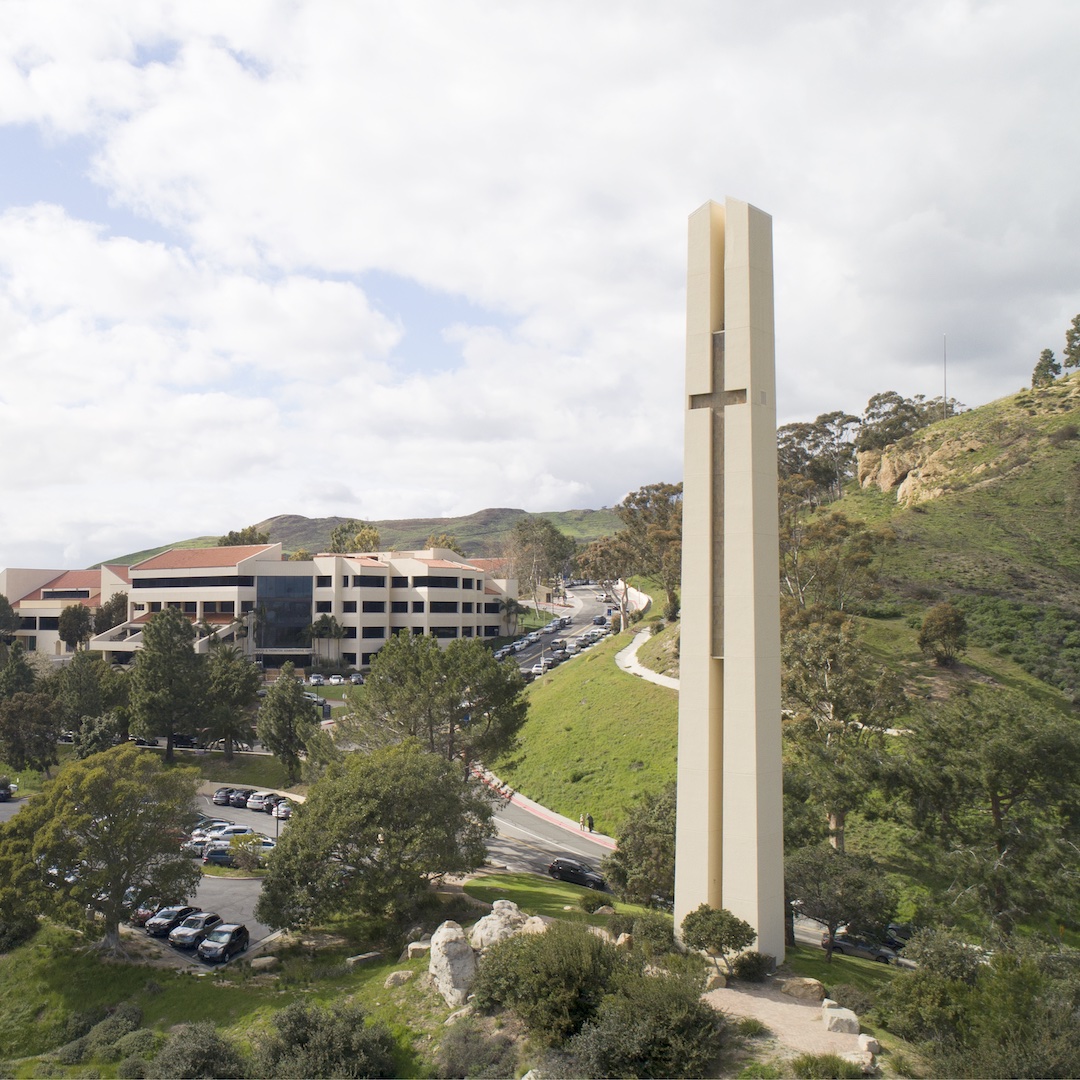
{"x": 378, "y": 581}
{"x": 349, "y": 658}
{"x": 403, "y": 607}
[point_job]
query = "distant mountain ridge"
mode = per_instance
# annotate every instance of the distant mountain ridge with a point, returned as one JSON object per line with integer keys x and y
{"x": 481, "y": 535}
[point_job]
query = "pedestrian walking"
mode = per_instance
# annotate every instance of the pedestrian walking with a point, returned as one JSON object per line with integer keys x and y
{"x": 581, "y": 823}
{"x": 589, "y": 821}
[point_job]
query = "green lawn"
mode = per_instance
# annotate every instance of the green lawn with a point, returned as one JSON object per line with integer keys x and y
{"x": 537, "y": 895}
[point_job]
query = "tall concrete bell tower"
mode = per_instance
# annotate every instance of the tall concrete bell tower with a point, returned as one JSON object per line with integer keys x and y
{"x": 729, "y": 837}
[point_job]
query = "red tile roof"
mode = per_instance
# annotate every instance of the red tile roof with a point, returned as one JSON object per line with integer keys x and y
{"x": 68, "y": 580}
{"x": 201, "y": 558}
{"x": 120, "y": 570}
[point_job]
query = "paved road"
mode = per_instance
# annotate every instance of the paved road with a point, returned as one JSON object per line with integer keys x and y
{"x": 528, "y": 843}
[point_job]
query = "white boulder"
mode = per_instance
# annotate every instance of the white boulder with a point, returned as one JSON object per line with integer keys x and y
{"x": 452, "y": 964}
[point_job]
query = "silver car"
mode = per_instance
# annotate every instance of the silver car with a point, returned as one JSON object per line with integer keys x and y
{"x": 193, "y": 929}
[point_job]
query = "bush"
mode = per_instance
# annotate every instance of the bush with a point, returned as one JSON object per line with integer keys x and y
{"x": 653, "y": 1026}
{"x": 655, "y": 933}
{"x": 310, "y": 1040}
{"x": 197, "y": 1051}
{"x": 553, "y": 981}
{"x": 825, "y": 1067}
{"x": 716, "y": 930}
{"x": 590, "y": 901}
{"x": 142, "y": 1041}
{"x": 620, "y": 923}
{"x": 467, "y": 1050}
{"x": 852, "y": 997}
{"x": 752, "y": 966}
{"x": 72, "y": 1053}
{"x": 133, "y": 1068}
{"x": 104, "y": 1036}
{"x": 920, "y": 1005}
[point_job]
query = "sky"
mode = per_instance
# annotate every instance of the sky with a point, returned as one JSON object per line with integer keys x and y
{"x": 401, "y": 260}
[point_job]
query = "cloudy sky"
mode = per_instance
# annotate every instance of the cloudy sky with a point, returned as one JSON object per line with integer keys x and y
{"x": 394, "y": 260}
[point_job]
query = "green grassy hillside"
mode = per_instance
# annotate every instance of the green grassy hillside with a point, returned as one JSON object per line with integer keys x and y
{"x": 595, "y": 738}
{"x": 996, "y": 502}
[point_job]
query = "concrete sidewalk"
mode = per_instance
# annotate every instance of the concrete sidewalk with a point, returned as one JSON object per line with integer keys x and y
{"x": 627, "y": 661}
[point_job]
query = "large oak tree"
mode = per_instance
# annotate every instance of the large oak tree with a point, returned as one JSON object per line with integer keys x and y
{"x": 374, "y": 831}
{"x": 103, "y": 834}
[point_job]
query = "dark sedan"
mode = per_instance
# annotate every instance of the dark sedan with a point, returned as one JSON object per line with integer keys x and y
{"x": 578, "y": 873}
{"x": 168, "y": 919}
{"x": 224, "y": 941}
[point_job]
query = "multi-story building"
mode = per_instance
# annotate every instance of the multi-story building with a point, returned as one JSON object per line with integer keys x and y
{"x": 337, "y": 608}
{"x": 39, "y": 596}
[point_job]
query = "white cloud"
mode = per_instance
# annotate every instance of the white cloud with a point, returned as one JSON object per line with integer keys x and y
{"x": 539, "y": 162}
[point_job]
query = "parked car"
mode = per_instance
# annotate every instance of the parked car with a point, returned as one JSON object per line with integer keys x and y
{"x": 224, "y": 941}
{"x": 223, "y": 796}
{"x": 201, "y": 837}
{"x": 271, "y": 801}
{"x": 193, "y": 929}
{"x": 356, "y": 679}
{"x": 256, "y": 800}
{"x": 167, "y": 919}
{"x": 337, "y": 680}
{"x": 220, "y": 852}
{"x": 577, "y": 872}
{"x": 897, "y": 935}
{"x": 849, "y": 945}
{"x": 202, "y": 823}
{"x": 599, "y": 620}
{"x": 538, "y": 668}
{"x": 140, "y": 740}
{"x": 316, "y": 680}
{"x": 314, "y": 698}
{"x": 240, "y": 796}
{"x": 140, "y": 911}
{"x": 283, "y": 810}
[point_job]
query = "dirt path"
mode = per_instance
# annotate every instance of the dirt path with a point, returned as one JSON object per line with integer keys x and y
{"x": 796, "y": 1026}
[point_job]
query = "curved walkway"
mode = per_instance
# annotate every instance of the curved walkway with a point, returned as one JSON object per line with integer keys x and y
{"x": 627, "y": 661}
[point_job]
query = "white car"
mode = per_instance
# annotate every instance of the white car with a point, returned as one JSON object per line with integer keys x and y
{"x": 337, "y": 680}
{"x": 540, "y": 668}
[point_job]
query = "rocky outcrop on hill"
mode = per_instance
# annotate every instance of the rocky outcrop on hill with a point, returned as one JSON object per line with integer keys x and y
{"x": 917, "y": 472}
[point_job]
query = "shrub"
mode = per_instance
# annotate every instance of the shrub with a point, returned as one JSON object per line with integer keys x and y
{"x": 142, "y": 1041}
{"x": 752, "y": 966}
{"x": 133, "y": 1068}
{"x": 590, "y": 901}
{"x": 196, "y": 1051}
{"x": 554, "y": 981}
{"x": 467, "y": 1050}
{"x": 104, "y": 1036}
{"x": 716, "y": 930}
{"x": 78, "y": 1024}
{"x": 852, "y": 997}
{"x": 620, "y": 923}
{"x": 651, "y": 1027}
{"x": 825, "y": 1067}
{"x": 72, "y": 1053}
{"x": 655, "y": 933}
{"x": 310, "y": 1040}
{"x": 919, "y": 1005}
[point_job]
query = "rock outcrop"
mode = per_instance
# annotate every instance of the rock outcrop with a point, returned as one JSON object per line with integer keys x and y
{"x": 452, "y": 964}
{"x": 505, "y": 920}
